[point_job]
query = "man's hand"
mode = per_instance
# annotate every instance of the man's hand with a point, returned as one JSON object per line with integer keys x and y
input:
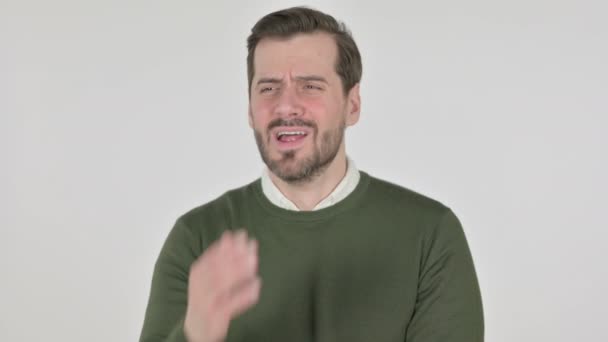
{"x": 223, "y": 284}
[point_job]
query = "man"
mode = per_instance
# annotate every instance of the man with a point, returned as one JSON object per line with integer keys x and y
{"x": 314, "y": 250}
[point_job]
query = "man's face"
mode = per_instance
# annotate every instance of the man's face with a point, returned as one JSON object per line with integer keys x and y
{"x": 298, "y": 109}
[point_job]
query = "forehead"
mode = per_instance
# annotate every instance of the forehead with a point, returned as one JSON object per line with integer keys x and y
{"x": 314, "y": 53}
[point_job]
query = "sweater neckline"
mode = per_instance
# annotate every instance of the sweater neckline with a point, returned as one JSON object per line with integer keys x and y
{"x": 347, "y": 203}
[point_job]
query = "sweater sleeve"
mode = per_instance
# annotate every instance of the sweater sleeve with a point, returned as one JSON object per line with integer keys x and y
{"x": 448, "y": 305}
{"x": 164, "y": 317}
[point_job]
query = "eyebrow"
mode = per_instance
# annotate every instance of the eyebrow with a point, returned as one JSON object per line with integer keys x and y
{"x": 312, "y": 78}
{"x": 275, "y": 80}
{"x": 269, "y": 80}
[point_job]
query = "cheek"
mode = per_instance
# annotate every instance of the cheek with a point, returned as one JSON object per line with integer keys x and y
{"x": 259, "y": 105}
{"x": 317, "y": 109}
{"x": 327, "y": 113}
{"x": 316, "y": 105}
{"x": 259, "y": 114}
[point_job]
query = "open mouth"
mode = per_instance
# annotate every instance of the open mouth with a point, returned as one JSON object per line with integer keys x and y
{"x": 289, "y": 138}
{"x": 286, "y": 136}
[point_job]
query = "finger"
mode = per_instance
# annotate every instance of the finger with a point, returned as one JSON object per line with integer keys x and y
{"x": 226, "y": 269}
{"x": 233, "y": 244}
{"x": 213, "y": 252}
{"x": 242, "y": 298}
{"x": 240, "y": 237}
{"x": 234, "y": 271}
{"x": 252, "y": 247}
{"x": 225, "y": 240}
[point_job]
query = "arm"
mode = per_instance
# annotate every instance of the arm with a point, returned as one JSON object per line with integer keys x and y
{"x": 197, "y": 296}
{"x": 448, "y": 306}
{"x": 164, "y": 318}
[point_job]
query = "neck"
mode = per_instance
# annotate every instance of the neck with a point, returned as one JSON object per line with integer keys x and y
{"x": 307, "y": 195}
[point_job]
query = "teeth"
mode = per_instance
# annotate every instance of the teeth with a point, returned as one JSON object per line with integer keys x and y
{"x": 280, "y": 134}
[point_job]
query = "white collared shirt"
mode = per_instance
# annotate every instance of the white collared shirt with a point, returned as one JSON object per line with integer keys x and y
{"x": 344, "y": 188}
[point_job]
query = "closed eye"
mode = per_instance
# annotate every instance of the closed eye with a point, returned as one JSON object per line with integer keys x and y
{"x": 266, "y": 89}
{"x": 312, "y": 87}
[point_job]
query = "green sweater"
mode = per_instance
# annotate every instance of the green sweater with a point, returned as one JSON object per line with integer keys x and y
{"x": 384, "y": 264}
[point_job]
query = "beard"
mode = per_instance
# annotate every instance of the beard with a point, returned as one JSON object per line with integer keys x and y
{"x": 287, "y": 166}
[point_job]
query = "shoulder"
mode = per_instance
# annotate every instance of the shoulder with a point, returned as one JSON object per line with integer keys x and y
{"x": 390, "y": 194}
{"x": 221, "y": 211}
{"x": 423, "y": 214}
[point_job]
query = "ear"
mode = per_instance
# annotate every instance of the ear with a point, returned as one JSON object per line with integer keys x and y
{"x": 353, "y": 106}
{"x": 250, "y": 116}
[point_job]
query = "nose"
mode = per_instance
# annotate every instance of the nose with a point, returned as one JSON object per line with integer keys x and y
{"x": 288, "y": 103}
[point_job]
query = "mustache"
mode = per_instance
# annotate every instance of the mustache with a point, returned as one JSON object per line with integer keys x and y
{"x": 280, "y": 122}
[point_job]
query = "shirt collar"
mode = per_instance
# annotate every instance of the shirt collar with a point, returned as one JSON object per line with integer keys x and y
{"x": 344, "y": 188}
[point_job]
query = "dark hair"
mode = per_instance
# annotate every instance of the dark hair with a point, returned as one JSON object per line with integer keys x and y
{"x": 291, "y": 21}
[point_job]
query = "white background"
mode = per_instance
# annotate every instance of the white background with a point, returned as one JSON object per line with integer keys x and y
{"x": 119, "y": 116}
